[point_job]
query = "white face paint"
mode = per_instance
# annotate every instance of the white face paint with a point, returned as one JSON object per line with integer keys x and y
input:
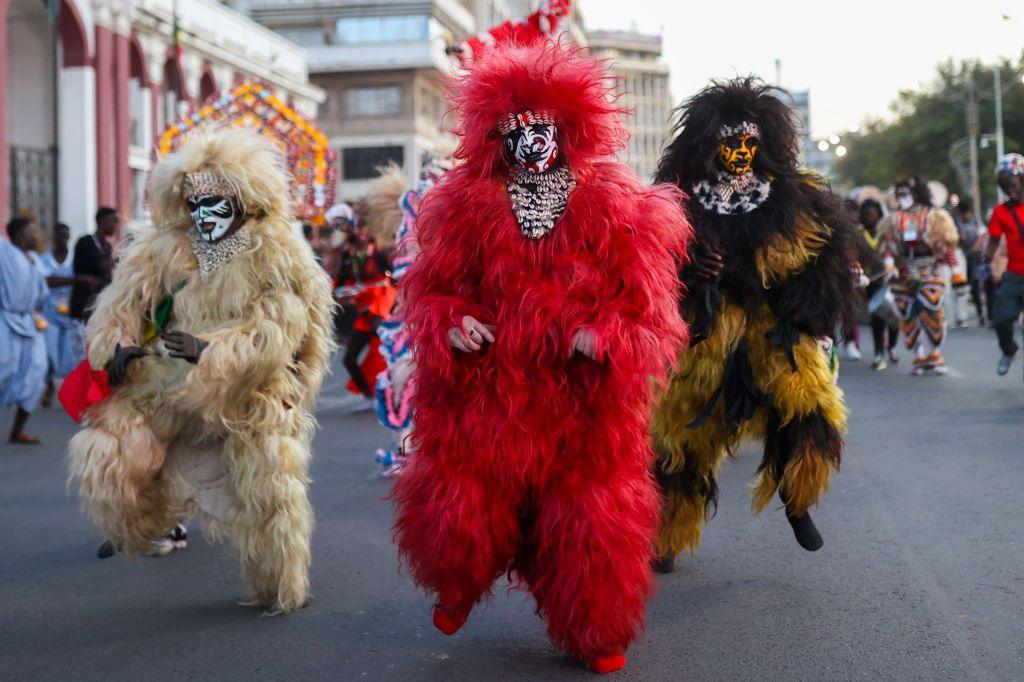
{"x": 534, "y": 148}
{"x": 213, "y": 216}
{"x": 905, "y": 199}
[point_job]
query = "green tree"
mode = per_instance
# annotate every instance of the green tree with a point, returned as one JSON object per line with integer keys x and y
{"x": 925, "y": 125}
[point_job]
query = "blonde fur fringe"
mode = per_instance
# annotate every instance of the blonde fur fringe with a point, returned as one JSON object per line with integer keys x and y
{"x": 267, "y": 315}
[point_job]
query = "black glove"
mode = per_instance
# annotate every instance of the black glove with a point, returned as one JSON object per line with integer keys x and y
{"x": 184, "y": 346}
{"x": 117, "y": 366}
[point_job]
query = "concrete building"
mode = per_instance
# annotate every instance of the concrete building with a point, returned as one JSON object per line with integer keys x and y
{"x": 643, "y": 82}
{"x": 119, "y": 81}
{"x": 817, "y": 155}
{"x": 379, "y": 62}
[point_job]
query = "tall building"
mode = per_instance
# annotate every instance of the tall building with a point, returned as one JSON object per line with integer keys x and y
{"x": 80, "y": 133}
{"x": 816, "y": 156}
{"x": 643, "y": 82}
{"x": 379, "y": 62}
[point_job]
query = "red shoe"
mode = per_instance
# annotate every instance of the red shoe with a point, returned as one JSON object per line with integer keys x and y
{"x": 607, "y": 664}
{"x": 446, "y": 622}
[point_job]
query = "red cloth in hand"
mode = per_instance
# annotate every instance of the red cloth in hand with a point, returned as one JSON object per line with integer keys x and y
{"x": 83, "y": 388}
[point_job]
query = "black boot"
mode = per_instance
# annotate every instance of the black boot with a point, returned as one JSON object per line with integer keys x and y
{"x": 106, "y": 550}
{"x": 806, "y": 532}
{"x": 664, "y": 564}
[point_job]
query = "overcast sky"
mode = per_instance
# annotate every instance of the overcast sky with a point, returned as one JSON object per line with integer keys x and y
{"x": 853, "y": 56}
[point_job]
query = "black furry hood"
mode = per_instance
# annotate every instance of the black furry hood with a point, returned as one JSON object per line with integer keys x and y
{"x": 691, "y": 157}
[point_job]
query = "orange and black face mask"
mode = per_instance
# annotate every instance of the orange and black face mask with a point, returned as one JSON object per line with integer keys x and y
{"x": 737, "y": 147}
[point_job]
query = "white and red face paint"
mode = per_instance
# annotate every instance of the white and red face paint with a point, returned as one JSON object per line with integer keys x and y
{"x": 533, "y": 148}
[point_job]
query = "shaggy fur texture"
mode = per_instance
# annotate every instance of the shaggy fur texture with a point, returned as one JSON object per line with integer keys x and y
{"x": 786, "y": 282}
{"x": 382, "y": 214}
{"x": 530, "y": 459}
{"x": 266, "y": 315}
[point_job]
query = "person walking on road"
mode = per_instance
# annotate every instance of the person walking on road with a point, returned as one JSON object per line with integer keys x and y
{"x": 884, "y": 333}
{"x": 968, "y": 229}
{"x": 94, "y": 257}
{"x": 65, "y": 346}
{"x": 1008, "y": 222}
{"x": 22, "y": 348}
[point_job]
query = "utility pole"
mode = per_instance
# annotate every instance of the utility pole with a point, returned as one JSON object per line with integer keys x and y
{"x": 1000, "y": 137}
{"x": 972, "y": 135}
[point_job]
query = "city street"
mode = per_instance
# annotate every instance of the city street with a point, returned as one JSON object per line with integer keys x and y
{"x": 920, "y": 576}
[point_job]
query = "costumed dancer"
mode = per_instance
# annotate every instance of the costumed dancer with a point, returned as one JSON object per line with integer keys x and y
{"x": 768, "y": 281}
{"x": 215, "y": 333}
{"x": 64, "y": 334}
{"x": 396, "y": 384}
{"x": 919, "y": 241}
{"x": 540, "y": 307}
{"x": 362, "y": 285}
{"x": 22, "y": 346}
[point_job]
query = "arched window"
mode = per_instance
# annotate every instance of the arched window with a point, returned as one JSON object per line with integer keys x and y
{"x": 207, "y": 86}
{"x": 175, "y": 101}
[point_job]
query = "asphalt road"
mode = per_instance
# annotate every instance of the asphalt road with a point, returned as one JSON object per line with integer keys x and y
{"x": 920, "y": 576}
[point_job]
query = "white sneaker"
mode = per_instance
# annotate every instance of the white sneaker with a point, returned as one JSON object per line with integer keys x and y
{"x": 175, "y": 540}
{"x": 879, "y": 364}
{"x": 852, "y": 352}
{"x": 161, "y": 547}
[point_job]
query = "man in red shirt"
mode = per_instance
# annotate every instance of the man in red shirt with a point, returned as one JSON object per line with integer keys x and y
{"x": 1008, "y": 221}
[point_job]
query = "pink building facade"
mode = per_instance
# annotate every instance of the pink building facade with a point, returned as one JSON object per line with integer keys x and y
{"x": 82, "y": 135}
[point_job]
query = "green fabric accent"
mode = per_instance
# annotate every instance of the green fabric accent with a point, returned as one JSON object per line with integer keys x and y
{"x": 155, "y": 323}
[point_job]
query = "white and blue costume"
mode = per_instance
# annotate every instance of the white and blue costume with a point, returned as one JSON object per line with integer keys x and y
{"x": 22, "y": 347}
{"x": 65, "y": 347}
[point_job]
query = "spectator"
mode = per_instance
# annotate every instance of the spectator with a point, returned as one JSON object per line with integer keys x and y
{"x": 884, "y": 334}
{"x": 22, "y": 348}
{"x": 94, "y": 256}
{"x": 1008, "y": 223}
{"x": 65, "y": 346}
{"x": 967, "y": 226}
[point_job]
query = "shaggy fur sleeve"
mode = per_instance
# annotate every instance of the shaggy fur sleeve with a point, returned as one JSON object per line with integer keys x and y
{"x": 240, "y": 360}
{"x": 944, "y": 233}
{"x": 122, "y": 306}
{"x": 823, "y": 294}
{"x": 639, "y": 327}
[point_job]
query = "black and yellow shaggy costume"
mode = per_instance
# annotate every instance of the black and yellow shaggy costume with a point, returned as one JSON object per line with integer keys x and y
{"x": 768, "y": 278}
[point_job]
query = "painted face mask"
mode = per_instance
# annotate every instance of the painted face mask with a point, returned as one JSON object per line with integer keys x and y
{"x": 737, "y": 147}
{"x": 531, "y": 140}
{"x": 213, "y": 205}
{"x": 904, "y": 198}
{"x": 213, "y": 215}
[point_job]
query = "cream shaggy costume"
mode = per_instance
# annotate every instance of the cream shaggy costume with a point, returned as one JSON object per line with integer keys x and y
{"x": 228, "y": 437}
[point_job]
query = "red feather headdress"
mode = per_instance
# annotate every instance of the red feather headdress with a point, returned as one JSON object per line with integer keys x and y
{"x": 569, "y": 84}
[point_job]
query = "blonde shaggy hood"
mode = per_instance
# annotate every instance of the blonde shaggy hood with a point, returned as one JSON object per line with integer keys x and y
{"x": 382, "y": 212}
{"x": 266, "y": 317}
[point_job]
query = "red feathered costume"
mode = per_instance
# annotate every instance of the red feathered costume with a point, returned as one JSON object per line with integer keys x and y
{"x": 531, "y": 459}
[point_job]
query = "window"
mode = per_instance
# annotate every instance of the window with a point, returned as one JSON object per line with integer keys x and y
{"x": 373, "y": 101}
{"x": 362, "y": 30}
{"x": 304, "y": 36}
{"x": 361, "y": 163}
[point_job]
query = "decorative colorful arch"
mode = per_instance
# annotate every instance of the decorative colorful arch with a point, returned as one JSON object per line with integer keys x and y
{"x": 311, "y": 161}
